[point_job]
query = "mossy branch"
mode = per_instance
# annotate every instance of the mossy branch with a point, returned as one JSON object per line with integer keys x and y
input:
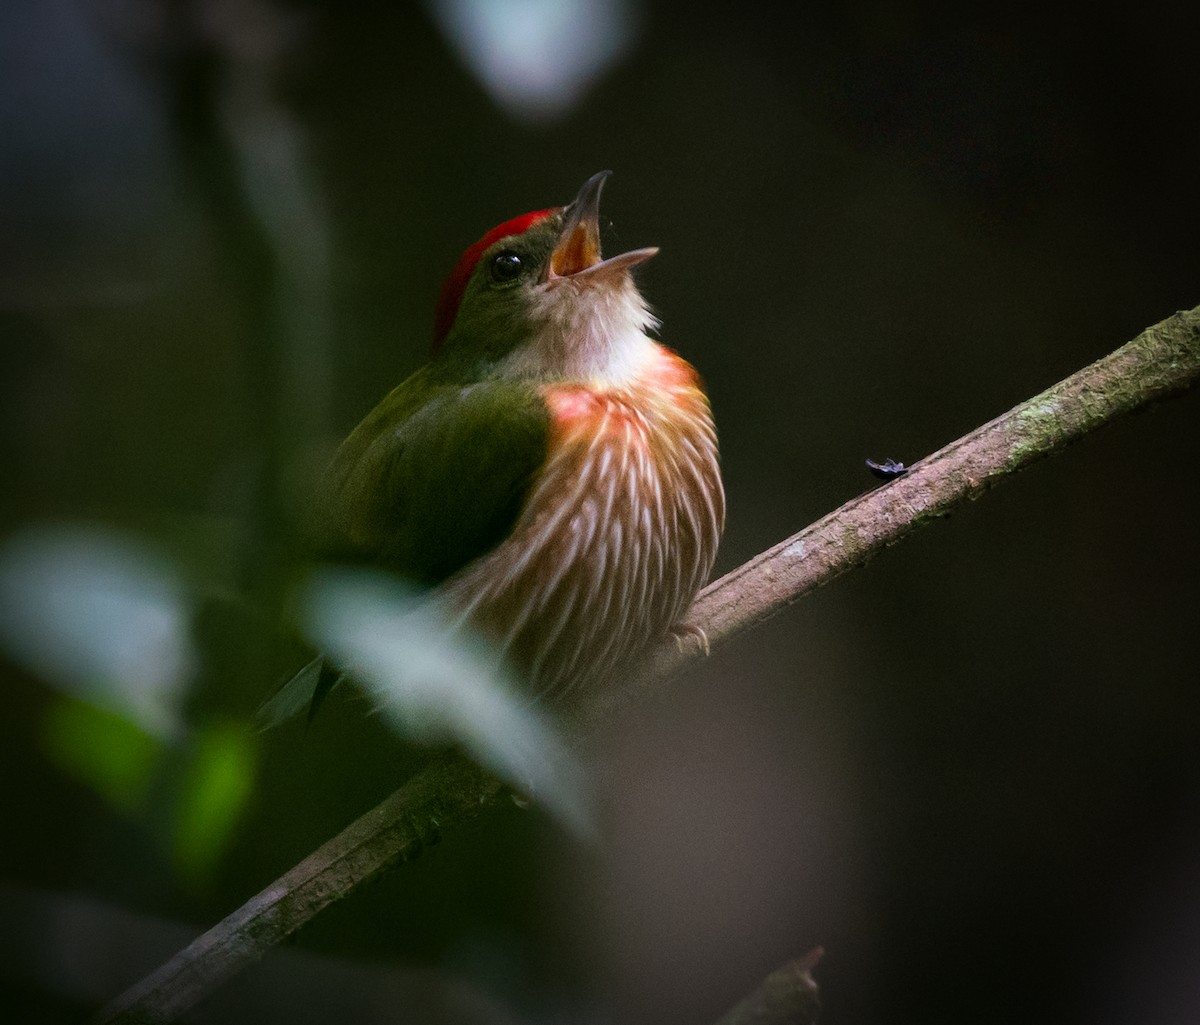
{"x": 1162, "y": 361}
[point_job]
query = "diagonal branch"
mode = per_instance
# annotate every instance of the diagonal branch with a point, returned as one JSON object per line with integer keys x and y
{"x": 1163, "y": 360}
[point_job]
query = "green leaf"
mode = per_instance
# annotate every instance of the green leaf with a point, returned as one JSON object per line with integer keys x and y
{"x": 105, "y": 750}
{"x": 215, "y": 789}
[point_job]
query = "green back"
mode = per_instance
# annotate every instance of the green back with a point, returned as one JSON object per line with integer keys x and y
{"x": 436, "y": 475}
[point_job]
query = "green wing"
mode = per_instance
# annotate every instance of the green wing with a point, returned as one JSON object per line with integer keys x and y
{"x": 436, "y": 475}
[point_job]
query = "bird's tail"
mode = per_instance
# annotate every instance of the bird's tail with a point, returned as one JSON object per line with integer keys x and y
{"x": 307, "y": 689}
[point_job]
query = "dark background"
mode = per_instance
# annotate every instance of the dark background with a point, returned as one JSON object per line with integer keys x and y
{"x": 969, "y": 771}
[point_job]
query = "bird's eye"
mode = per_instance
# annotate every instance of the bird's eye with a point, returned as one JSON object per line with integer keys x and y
{"x": 506, "y": 267}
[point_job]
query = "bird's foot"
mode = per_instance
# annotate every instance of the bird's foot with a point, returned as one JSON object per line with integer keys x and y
{"x": 685, "y": 633}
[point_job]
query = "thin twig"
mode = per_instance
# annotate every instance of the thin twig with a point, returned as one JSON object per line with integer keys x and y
{"x": 788, "y": 996}
{"x": 1164, "y": 360}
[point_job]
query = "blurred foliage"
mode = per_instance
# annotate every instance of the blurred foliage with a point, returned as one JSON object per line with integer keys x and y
{"x": 205, "y": 795}
{"x": 99, "y": 613}
{"x": 102, "y": 749}
{"x": 212, "y": 796}
{"x": 438, "y": 682}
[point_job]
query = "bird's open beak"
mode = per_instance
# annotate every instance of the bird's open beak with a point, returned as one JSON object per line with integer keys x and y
{"x": 578, "y": 248}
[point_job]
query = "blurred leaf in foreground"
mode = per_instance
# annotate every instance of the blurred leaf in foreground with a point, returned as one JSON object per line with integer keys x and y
{"x": 437, "y": 682}
{"x": 108, "y": 752}
{"x": 101, "y": 616}
{"x": 215, "y": 788}
{"x": 537, "y": 58}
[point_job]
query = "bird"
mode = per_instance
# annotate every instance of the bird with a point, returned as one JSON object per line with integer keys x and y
{"x": 551, "y": 474}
